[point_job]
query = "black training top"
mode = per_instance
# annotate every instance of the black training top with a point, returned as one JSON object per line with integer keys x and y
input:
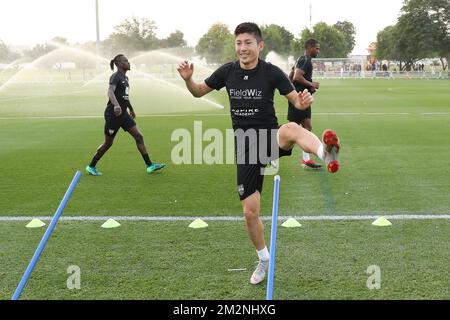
{"x": 304, "y": 63}
{"x": 251, "y": 92}
{"x": 122, "y": 88}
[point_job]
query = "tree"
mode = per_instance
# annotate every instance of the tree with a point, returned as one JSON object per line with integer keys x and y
{"x": 4, "y": 52}
{"x": 6, "y": 55}
{"x": 387, "y": 44}
{"x": 389, "y": 47}
{"x": 214, "y": 45}
{"x": 133, "y": 35}
{"x": 229, "y": 52}
{"x": 41, "y": 49}
{"x": 430, "y": 21}
{"x": 348, "y": 30}
{"x": 397, "y": 43}
{"x": 332, "y": 41}
{"x": 298, "y": 45}
{"x": 37, "y": 51}
{"x": 413, "y": 43}
{"x": 174, "y": 40}
{"x": 422, "y": 30}
{"x": 276, "y": 38}
{"x": 58, "y": 41}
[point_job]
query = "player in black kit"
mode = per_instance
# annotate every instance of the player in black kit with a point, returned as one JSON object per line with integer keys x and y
{"x": 251, "y": 84}
{"x": 301, "y": 77}
{"x": 117, "y": 116}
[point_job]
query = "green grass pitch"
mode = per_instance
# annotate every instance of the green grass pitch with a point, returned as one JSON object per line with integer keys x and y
{"x": 395, "y": 160}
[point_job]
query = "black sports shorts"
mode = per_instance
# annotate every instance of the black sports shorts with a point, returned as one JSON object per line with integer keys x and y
{"x": 296, "y": 115}
{"x": 250, "y": 163}
{"x": 113, "y": 123}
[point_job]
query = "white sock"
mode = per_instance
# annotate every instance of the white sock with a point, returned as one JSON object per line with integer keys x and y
{"x": 305, "y": 156}
{"x": 263, "y": 254}
{"x": 320, "y": 152}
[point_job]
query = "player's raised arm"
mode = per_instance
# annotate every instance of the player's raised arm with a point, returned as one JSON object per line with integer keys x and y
{"x": 301, "y": 100}
{"x": 299, "y": 77}
{"x": 186, "y": 70}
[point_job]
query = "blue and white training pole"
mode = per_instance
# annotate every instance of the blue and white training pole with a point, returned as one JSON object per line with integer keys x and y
{"x": 273, "y": 237}
{"x": 45, "y": 238}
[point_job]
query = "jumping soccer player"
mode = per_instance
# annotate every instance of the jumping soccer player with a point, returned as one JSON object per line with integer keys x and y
{"x": 117, "y": 116}
{"x": 301, "y": 77}
{"x": 251, "y": 84}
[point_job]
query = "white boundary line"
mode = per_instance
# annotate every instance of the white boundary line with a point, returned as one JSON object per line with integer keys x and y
{"x": 229, "y": 218}
{"x": 227, "y": 114}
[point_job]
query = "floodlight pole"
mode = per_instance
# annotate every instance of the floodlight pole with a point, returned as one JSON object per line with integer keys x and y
{"x": 310, "y": 16}
{"x": 97, "y": 44}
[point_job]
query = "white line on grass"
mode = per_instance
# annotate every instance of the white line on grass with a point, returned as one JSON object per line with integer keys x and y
{"x": 227, "y": 114}
{"x": 229, "y": 218}
{"x": 97, "y": 117}
{"x": 49, "y": 117}
{"x": 46, "y": 95}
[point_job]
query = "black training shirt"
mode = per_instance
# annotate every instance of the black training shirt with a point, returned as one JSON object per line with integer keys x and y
{"x": 304, "y": 63}
{"x": 251, "y": 92}
{"x": 122, "y": 88}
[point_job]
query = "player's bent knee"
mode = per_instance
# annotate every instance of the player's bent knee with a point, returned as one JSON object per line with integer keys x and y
{"x": 251, "y": 214}
{"x": 289, "y": 131}
{"x": 251, "y": 211}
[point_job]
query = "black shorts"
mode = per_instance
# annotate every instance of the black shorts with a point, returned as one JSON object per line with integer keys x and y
{"x": 250, "y": 168}
{"x": 296, "y": 115}
{"x": 113, "y": 123}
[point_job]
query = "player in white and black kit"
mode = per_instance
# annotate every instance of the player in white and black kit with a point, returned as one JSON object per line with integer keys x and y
{"x": 117, "y": 116}
{"x": 301, "y": 77}
{"x": 251, "y": 84}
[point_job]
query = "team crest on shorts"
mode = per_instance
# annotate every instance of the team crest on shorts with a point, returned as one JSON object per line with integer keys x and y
{"x": 111, "y": 131}
{"x": 241, "y": 189}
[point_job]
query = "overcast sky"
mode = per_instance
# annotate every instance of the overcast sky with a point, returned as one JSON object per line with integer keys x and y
{"x": 27, "y": 22}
